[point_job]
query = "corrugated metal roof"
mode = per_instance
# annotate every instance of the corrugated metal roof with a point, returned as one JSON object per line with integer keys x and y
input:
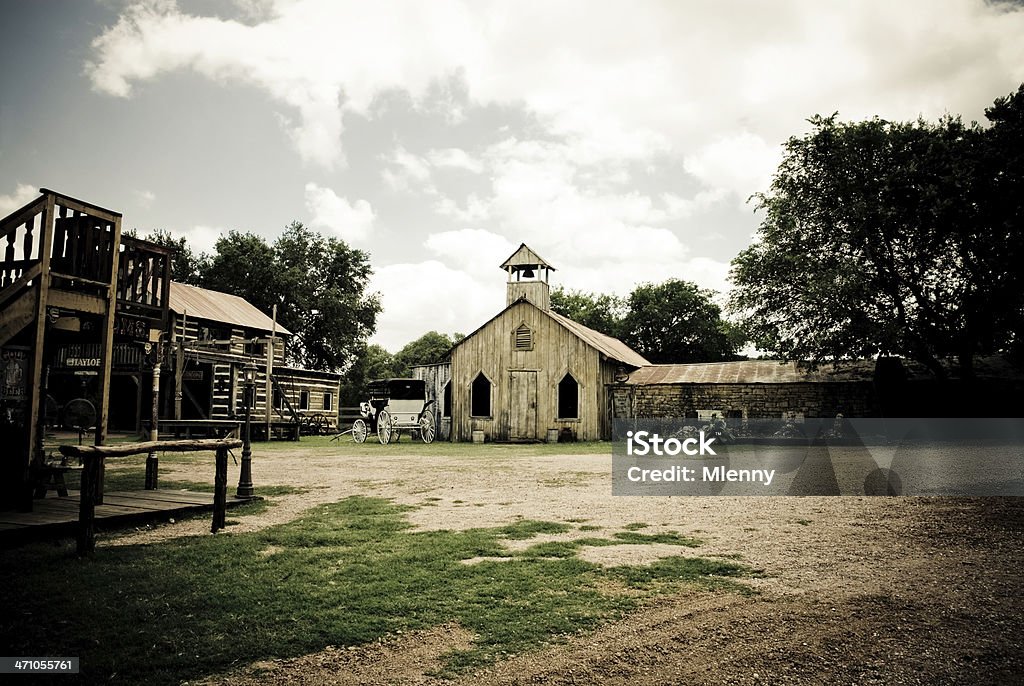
{"x": 611, "y": 347}
{"x": 743, "y": 372}
{"x": 524, "y": 256}
{"x": 219, "y": 307}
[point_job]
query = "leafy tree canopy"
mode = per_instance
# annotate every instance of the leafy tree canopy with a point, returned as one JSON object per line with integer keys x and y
{"x": 318, "y": 284}
{"x": 186, "y": 266}
{"x": 371, "y": 362}
{"x": 429, "y": 348}
{"x": 678, "y": 322}
{"x": 889, "y": 238}
{"x": 600, "y": 312}
{"x": 674, "y": 321}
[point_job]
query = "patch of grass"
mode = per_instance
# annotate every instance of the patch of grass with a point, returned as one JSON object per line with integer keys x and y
{"x": 343, "y": 574}
{"x": 635, "y": 526}
{"x": 803, "y": 522}
{"x": 711, "y": 573}
{"x": 590, "y": 527}
{"x": 528, "y": 528}
{"x": 670, "y": 537}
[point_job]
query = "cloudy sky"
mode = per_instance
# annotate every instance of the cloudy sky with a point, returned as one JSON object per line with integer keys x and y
{"x": 620, "y": 140}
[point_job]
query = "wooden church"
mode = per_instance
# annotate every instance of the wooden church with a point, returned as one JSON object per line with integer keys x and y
{"x": 529, "y": 370}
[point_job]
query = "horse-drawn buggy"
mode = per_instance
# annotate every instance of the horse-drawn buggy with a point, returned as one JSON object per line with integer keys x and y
{"x": 394, "y": 405}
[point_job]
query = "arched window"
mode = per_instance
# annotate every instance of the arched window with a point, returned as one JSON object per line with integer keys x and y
{"x": 480, "y": 396}
{"x": 446, "y": 400}
{"x": 568, "y": 398}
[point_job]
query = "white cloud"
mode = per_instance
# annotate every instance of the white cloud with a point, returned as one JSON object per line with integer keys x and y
{"x": 450, "y": 301}
{"x": 22, "y": 195}
{"x": 678, "y": 207}
{"x": 202, "y": 238}
{"x": 620, "y": 80}
{"x": 475, "y": 251}
{"x": 476, "y": 209}
{"x": 407, "y": 172}
{"x": 741, "y": 163}
{"x": 352, "y": 222}
{"x": 455, "y": 158}
{"x": 146, "y": 198}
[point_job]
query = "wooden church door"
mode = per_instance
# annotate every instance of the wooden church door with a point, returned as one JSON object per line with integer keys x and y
{"x": 523, "y": 405}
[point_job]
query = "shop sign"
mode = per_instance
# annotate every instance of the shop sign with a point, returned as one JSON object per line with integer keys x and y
{"x": 14, "y": 373}
{"x": 128, "y": 326}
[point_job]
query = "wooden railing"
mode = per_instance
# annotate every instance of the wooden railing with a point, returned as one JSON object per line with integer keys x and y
{"x": 143, "y": 277}
{"x": 93, "y": 458}
{"x": 82, "y": 250}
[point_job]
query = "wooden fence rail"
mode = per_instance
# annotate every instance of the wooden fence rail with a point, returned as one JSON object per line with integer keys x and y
{"x": 94, "y": 456}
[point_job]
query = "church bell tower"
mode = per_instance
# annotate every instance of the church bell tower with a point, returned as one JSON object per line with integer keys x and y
{"x": 528, "y": 276}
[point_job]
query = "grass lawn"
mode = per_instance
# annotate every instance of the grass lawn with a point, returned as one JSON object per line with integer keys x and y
{"x": 343, "y": 574}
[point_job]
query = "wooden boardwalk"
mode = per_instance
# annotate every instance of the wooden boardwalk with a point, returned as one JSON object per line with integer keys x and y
{"x": 56, "y": 516}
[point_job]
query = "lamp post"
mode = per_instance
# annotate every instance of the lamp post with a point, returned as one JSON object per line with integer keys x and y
{"x": 245, "y": 489}
{"x": 152, "y": 462}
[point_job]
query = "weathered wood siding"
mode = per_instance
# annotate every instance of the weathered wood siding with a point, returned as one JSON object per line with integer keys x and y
{"x": 436, "y": 377}
{"x": 226, "y": 361}
{"x": 556, "y": 350}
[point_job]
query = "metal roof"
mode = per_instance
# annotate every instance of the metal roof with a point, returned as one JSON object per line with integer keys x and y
{"x": 742, "y": 372}
{"x": 202, "y": 303}
{"x": 524, "y": 257}
{"x": 610, "y": 347}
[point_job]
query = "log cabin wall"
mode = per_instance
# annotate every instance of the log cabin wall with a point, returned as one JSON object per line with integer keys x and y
{"x": 524, "y": 382}
{"x": 213, "y": 383}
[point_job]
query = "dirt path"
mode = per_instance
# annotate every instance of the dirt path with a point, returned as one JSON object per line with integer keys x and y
{"x": 857, "y": 590}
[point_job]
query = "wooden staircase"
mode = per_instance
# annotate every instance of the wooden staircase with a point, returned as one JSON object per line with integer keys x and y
{"x": 18, "y": 314}
{"x": 65, "y": 257}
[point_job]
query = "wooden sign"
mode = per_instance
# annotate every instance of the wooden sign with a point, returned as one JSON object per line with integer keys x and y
{"x": 131, "y": 327}
{"x": 14, "y": 373}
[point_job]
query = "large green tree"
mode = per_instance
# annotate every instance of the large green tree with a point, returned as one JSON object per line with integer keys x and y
{"x": 186, "y": 265}
{"x": 429, "y": 348}
{"x": 598, "y": 311}
{"x": 371, "y": 362}
{"x": 318, "y": 284}
{"x": 884, "y": 238}
{"x": 678, "y": 322}
{"x": 323, "y": 298}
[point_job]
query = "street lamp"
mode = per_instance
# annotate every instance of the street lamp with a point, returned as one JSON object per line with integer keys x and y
{"x": 245, "y": 489}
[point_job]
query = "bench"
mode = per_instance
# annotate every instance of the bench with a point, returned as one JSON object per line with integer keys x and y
{"x": 50, "y": 477}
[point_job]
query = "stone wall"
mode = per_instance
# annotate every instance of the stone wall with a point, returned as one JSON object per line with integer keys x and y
{"x": 852, "y": 399}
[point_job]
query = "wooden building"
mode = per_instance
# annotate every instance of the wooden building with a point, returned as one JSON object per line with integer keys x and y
{"x": 213, "y": 336}
{"x": 529, "y": 370}
{"x": 85, "y": 313}
{"x": 73, "y": 292}
{"x": 438, "y": 388}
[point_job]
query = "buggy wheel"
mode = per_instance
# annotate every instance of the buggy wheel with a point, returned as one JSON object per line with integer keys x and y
{"x": 384, "y": 430}
{"x": 427, "y": 427}
{"x": 317, "y": 425}
{"x": 359, "y": 431}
